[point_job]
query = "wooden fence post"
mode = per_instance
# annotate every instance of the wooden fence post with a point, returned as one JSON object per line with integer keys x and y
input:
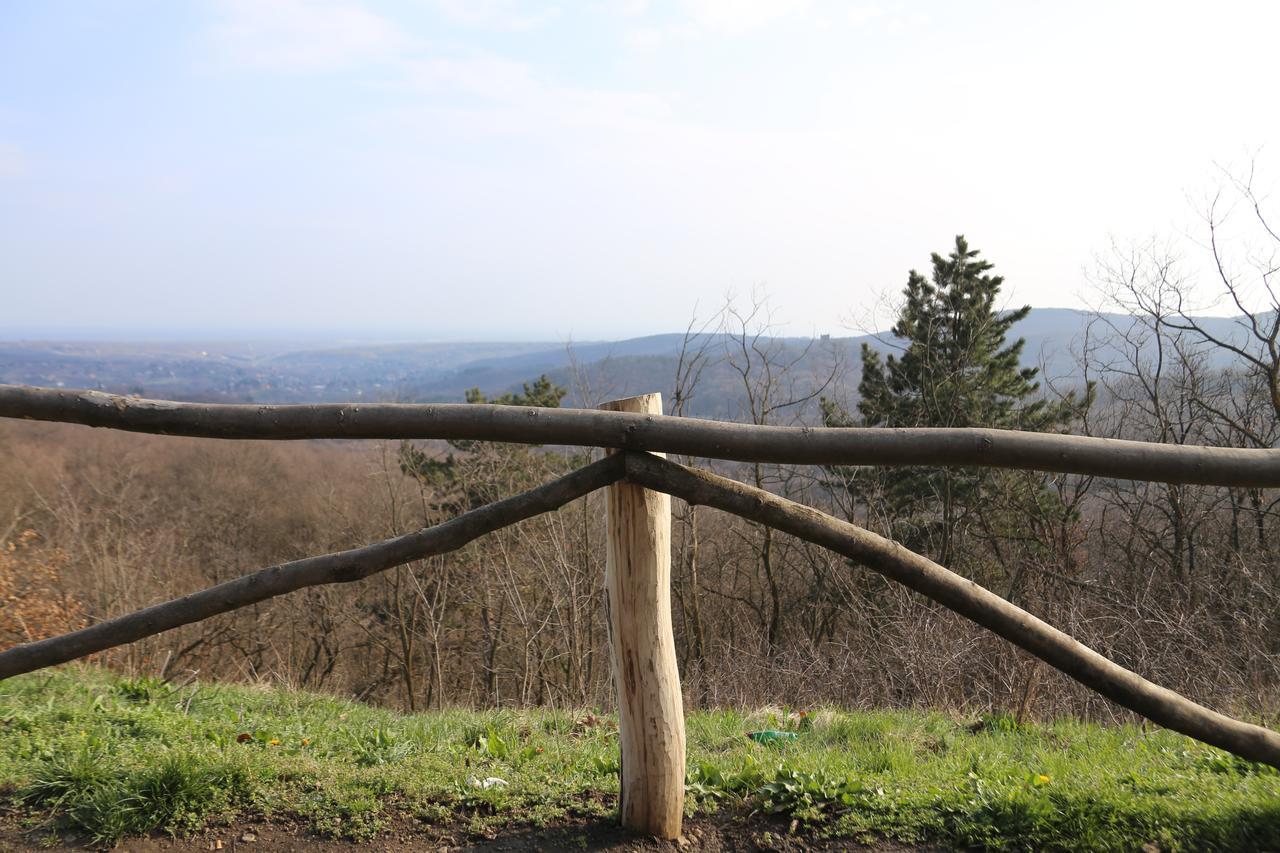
{"x": 643, "y": 650}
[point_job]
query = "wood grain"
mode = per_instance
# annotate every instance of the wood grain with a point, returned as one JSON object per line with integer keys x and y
{"x": 643, "y": 650}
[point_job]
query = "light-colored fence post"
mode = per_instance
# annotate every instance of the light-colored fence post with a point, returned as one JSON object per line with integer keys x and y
{"x": 643, "y": 650}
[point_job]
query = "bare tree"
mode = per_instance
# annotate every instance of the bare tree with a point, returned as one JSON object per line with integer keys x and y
{"x": 778, "y": 381}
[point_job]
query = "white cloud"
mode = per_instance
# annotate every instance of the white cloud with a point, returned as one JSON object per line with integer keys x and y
{"x": 863, "y": 13}
{"x": 735, "y": 17}
{"x": 490, "y": 77}
{"x": 303, "y": 35}
{"x": 646, "y": 37}
{"x": 514, "y": 101}
{"x": 896, "y": 17}
{"x": 497, "y": 14}
{"x": 13, "y": 164}
{"x": 649, "y": 37}
{"x": 625, "y": 7}
{"x": 479, "y": 90}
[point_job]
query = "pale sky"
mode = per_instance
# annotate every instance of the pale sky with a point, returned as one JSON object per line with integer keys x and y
{"x": 464, "y": 169}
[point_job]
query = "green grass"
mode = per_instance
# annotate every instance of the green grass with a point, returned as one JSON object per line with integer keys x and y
{"x": 95, "y": 755}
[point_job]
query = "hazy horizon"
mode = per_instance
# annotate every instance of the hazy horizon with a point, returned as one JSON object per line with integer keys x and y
{"x": 340, "y": 338}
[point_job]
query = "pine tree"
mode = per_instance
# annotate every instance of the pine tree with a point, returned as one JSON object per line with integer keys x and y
{"x": 956, "y": 369}
{"x": 464, "y": 482}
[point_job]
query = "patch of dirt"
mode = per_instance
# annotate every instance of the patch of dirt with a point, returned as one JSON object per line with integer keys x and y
{"x": 724, "y": 831}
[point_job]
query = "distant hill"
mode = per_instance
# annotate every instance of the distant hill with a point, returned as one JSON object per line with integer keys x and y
{"x": 243, "y": 371}
{"x": 267, "y": 371}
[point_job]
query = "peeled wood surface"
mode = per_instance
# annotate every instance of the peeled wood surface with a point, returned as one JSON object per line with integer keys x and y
{"x": 970, "y": 600}
{"x": 342, "y": 567}
{"x": 1103, "y": 457}
{"x": 643, "y": 651}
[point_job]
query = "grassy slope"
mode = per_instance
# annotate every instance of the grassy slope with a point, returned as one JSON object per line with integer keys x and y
{"x": 112, "y": 758}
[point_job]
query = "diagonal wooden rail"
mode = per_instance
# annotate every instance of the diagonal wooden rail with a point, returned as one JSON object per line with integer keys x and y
{"x": 640, "y": 541}
{"x": 989, "y": 448}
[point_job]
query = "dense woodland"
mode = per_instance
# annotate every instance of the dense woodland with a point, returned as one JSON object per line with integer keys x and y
{"x": 1180, "y": 583}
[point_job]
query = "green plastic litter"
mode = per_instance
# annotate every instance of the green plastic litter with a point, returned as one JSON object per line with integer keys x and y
{"x": 771, "y": 736}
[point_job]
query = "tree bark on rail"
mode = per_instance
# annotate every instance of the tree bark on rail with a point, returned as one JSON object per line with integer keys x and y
{"x": 342, "y": 567}
{"x": 934, "y": 447}
{"x": 965, "y": 597}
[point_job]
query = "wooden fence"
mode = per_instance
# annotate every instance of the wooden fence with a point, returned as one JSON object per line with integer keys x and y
{"x": 638, "y": 568}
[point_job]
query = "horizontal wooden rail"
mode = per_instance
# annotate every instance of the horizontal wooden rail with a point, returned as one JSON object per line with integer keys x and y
{"x": 992, "y": 448}
{"x": 342, "y": 567}
{"x": 965, "y": 597}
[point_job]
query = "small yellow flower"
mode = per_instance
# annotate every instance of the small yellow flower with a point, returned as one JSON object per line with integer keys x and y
{"x": 273, "y": 742}
{"x": 1042, "y": 780}
{"x": 306, "y": 741}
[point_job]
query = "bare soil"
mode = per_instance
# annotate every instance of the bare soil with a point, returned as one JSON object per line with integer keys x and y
{"x": 724, "y": 831}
